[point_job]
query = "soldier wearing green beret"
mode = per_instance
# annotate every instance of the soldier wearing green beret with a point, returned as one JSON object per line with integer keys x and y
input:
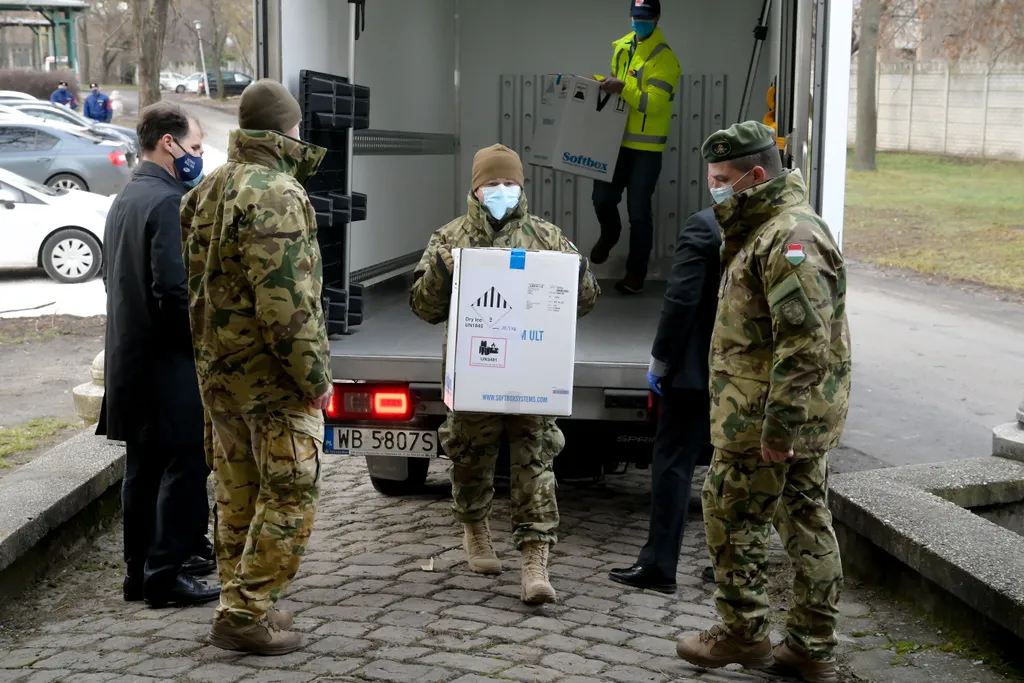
{"x": 780, "y": 385}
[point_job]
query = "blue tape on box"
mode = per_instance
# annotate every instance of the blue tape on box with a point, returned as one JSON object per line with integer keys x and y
{"x": 517, "y": 261}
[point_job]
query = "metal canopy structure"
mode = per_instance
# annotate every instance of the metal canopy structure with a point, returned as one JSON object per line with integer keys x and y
{"x": 59, "y": 17}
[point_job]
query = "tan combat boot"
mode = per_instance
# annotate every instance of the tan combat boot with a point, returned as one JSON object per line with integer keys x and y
{"x": 261, "y": 638}
{"x": 280, "y": 618}
{"x": 715, "y": 648}
{"x": 789, "y": 662}
{"x": 476, "y": 541}
{"x": 536, "y": 587}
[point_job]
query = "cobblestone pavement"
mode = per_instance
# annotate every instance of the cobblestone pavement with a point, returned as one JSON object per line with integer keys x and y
{"x": 374, "y": 609}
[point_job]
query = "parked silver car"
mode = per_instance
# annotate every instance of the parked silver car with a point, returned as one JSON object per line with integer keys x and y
{"x": 62, "y": 159}
{"x": 54, "y": 112}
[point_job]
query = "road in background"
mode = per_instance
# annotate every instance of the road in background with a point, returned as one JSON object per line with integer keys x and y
{"x": 935, "y": 369}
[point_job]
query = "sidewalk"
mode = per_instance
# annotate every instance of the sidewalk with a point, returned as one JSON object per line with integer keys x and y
{"x": 372, "y": 612}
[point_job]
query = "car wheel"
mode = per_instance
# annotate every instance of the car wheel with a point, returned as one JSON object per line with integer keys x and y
{"x": 66, "y": 181}
{"x": 412, "y": 484}
{"x": 71, "y": 256}
{"x": 180, "y": 89}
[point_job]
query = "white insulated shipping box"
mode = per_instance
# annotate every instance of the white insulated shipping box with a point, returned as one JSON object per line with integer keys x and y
{"x": 512, "y": 332}
{"x": 590, "y": 124}
{"x": 553, "y": 94}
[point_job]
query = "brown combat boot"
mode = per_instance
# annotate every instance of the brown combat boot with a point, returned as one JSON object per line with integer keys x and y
{"x": 261, "y": 638}
{"x": 715, "y": 648}
{"x": 536, "y": 587}
{"x": 476, "y": 541}
{"x": 789, "y": 662}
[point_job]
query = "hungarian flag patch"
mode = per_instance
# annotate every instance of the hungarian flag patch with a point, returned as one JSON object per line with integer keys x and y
{"x": 795, "y": 253}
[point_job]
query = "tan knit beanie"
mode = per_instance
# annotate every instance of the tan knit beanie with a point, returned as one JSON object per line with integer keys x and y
{"x": 495, "y": 162}
{"x": 267, "y": 105}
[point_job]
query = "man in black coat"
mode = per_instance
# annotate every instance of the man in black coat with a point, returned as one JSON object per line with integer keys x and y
{"x": 679, "y": 373}
{"x": 152, "y": 400}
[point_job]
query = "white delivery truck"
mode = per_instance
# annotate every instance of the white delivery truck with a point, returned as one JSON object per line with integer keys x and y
{"x": 448, "y": 77}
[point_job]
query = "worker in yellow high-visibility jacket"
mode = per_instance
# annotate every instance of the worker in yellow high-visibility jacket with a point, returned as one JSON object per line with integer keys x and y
{"x": 645, "y": 73}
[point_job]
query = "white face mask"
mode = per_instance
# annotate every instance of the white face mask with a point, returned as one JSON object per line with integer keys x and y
{"x": 500, "y": 199}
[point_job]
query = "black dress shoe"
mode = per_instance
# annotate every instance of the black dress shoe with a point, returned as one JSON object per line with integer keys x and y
{"x": 642, "y": 577}
{"x": 198, "y": 565}
{"x": 182, "y": 592}
{"x": 708, "y": 574}
{"x": 205, "y": 549}
{"x": 132, "y": 588}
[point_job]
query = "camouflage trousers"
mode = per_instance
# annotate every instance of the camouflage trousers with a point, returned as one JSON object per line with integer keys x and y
{"x": 267, "y": 472}
{"x": 743, "y": 496}
{"x": 472, "y": 441}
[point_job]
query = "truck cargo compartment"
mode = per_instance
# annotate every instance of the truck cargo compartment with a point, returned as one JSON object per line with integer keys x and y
{"x": 613, "y": 343}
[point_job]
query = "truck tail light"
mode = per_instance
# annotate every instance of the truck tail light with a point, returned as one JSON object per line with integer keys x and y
{"x": 118, "y": 158}
{"x": 369, "y": 402}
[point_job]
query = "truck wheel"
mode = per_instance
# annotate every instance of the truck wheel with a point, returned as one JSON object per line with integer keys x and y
{"x": 413, "y": 482}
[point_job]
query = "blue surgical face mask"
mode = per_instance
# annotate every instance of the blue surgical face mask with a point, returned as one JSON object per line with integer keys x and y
{"x": 501, "y": 199}
{"x": 725, "y": 192}
{"x": 189, "y": 167}
{"x": 643, "y": 28}
{"x": 194, "y": 182}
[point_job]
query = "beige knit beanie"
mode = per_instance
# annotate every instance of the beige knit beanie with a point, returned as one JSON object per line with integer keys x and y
{"x": 497, "y": 161}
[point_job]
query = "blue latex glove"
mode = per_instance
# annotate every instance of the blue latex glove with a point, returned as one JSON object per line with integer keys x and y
{"x": 654, "y": 382}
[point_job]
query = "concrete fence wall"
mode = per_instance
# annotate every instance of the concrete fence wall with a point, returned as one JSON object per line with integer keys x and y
{"x": 964, "y": 110}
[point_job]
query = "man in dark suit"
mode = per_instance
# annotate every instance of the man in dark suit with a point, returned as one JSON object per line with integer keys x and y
{"x": 152, "y": 400}
{"x": 679, "y": 373}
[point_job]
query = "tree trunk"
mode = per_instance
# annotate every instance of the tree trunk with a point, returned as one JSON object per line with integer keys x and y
{"x": 866, "y": 143}
{"x": 217, "y": 48}
{"x": 108, "y": 62}
{"x": 83, "y": 49}
{"x": 150, "y": 22}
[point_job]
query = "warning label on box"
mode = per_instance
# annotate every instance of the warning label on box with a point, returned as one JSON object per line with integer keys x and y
{"x": 491, "y": 307}
{"x": 488, "y": 352}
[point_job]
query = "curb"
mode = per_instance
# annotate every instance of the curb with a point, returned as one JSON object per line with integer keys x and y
{"x": 46, "y": 493}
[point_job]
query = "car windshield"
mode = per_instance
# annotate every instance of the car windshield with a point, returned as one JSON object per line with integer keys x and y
{"x": 55, "y": 115}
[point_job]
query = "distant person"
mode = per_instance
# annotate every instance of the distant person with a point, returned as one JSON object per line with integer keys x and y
{"x": 63, "y": 96}
{"x": 98, "y": 106}
{"x": 151, "y": 398}
{"x": 497, "y": 216}
{"x": 780, "y": 391}
{"x": 645, "y": 73}
{"x": 263, "y": 359}
{"x": 678, "y": 372}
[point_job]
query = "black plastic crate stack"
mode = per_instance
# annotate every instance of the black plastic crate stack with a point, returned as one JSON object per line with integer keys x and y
{"x": 331, "y": 106}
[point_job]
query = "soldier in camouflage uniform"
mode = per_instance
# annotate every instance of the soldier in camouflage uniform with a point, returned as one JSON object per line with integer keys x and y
{"x": 780, "y": 386}
{"x": 262, "y": 357}
{"x": 498, "y": 217}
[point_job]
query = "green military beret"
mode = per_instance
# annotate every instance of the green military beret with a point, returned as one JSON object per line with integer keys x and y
{"x": 737, "y": 141}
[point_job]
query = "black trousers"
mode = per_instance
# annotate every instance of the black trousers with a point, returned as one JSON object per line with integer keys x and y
{"x": 636, "y": 173}
{"x": 683, "y": 435}
{"x": 166, "y": 510}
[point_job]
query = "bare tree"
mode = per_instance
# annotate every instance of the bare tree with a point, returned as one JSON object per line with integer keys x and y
{"x": 106, "y": 36}
{"x": 866, "y": 142}
{"x": 149, "y": 18}
{"x": 227, "y": 28}
{"x": 989, "y": 30}
{"x": 82, "y": 27}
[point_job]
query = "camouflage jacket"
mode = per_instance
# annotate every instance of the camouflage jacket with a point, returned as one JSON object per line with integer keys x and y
{"x": 780, "y": 352}
{"x": 255, "y": 277}
{"x": 432, "y": 290}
